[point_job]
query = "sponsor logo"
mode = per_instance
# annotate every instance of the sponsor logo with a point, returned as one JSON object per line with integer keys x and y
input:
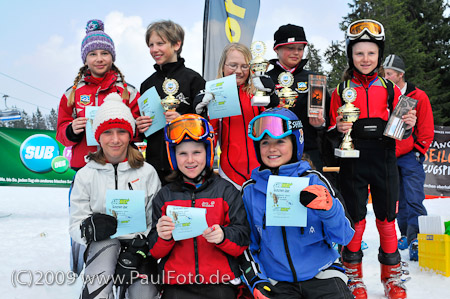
{"x": 302, "y": 87}
{"x": 38, "y": 151}
{"x": 85, "y": 99}
{"x": 208, "y": 204}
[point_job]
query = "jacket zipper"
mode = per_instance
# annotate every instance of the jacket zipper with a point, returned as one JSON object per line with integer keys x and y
{"x": 197, "y": 271}
{"x": 116, "y": 178}
{"x": 288, "y": 254}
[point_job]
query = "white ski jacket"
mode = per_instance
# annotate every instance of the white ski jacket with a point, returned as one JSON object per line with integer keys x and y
{"x": 92, "y": 181}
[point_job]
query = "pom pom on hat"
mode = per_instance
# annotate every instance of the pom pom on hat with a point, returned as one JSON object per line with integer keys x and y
{"x": 113, "y": 113}
{"x": 96, "y": 39}
{"x": 289, "y": 34}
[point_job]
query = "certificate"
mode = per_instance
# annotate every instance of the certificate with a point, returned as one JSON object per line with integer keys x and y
{"x": 128, "y": 206}
{"x": 89, "y": 113}
{"x": 226, "y": 97}
{"x": 189, "y": 222}
{"x": 150, "y": 105}
{"x": 283, "y": 207}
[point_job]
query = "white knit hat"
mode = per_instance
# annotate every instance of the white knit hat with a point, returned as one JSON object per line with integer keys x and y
{"x": 113, "y": 113}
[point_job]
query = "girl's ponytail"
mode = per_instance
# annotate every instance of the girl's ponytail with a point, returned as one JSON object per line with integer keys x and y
{"x": 125, "y": 93}
{"x": 71, "y": 98}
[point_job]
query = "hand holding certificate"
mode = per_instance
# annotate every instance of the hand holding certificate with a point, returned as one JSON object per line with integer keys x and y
{"x": 226, "y": 97}
{"x": 128, "y": 206}
{"x": 189, "y": 222}
{"x": 150, "y": 105}
{"x": 282, "y": 201}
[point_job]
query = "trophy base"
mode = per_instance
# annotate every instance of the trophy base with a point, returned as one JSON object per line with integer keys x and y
{"x": 346, "y": 153}
{"x": 260, "y": 100}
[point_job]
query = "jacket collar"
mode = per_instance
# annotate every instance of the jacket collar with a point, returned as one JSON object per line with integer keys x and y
{"x": 298, "y": 69}
{"x": 110, "y": 78}
{"x": 292, "y": 170}
{"x": 169, "y": 68}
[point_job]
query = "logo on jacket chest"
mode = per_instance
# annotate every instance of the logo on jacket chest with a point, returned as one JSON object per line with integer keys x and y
{"x": 302, "y": 87}
{"x": 207, "y": 204}
{"x": 85, "y": 99}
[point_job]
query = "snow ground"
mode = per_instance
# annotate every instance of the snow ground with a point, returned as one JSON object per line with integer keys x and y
{"x": 35, "y": 244}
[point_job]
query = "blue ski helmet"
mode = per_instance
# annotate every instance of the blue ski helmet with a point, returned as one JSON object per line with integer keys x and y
{"x": 277, "y": 123}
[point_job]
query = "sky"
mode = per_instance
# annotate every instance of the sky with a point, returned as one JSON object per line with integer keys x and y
{"x": 40, "y": 40}
{"x": 35, "y": 244}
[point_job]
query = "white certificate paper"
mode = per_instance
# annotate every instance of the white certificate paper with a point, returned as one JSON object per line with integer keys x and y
{"x": 283, "y": 207}
{"x": 226, "y": 97}
{"x": 89, "y": 113}
{"x": 128, "y": 206}
{"x": 189, "y": 222}
{"x": 150, "y": 105}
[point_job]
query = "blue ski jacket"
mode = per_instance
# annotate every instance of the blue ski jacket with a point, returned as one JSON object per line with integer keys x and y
{"x": 293, "y": 254}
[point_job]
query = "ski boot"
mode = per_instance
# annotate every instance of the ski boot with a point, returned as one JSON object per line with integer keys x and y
{"x": 402, "y": 243}
{"x": 352, "y": 262}
{"x": 414, "y": 250}
{"x": 391, "y": 274}
{"x": 394, "y": 285}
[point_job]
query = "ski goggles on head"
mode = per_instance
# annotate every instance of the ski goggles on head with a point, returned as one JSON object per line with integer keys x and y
{"x": 195, "y": 128}
{"x": 373, "y": 28}
{"x": 275, "y": 125}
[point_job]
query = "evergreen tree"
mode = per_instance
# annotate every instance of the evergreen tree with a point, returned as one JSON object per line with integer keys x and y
{"x": 335, "y": 56}
{"x": 38, "y": 121}
{"x": 51, "y": 120}
{"x": 314, "y": 60}
{"x": 22, "y": 123}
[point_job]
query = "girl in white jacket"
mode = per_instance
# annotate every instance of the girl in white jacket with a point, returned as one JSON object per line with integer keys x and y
{"x": 117, "y": 165}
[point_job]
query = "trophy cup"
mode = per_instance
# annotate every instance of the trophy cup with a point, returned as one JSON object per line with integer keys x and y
{"x": 349, "y": 113}
{"x": 287, "y": 96}
{"x": 258, "y": 66}
{"x": 170, "y": 87}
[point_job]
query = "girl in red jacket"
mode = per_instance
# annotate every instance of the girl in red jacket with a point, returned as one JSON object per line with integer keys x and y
{"x": 237, "y": 159}
{"x": 97, "y": 78}
{"x": 376, "y": 164}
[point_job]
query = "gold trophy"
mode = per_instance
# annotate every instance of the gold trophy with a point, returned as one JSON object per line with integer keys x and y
{"x": 259, "y": 66}
{"x": 287, "y": 96}
{"x": 170, "y": 87}
{"x": 350, "y": 114}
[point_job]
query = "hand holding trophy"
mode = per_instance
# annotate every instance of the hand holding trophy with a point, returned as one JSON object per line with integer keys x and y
{"x": 170, "y": 87}
{"x": 258, "y": 67}
{"x": 350, "y": 113}
{"x": 286, "y": 94}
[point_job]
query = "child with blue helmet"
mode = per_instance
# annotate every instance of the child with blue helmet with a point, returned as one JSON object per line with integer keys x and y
{"x": 290, "y": 261}
{"x": 205, "y": 266}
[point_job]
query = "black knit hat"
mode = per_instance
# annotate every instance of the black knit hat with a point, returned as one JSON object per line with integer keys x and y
{"x": 289, "y": 34}
{"x": 394, "y": 62}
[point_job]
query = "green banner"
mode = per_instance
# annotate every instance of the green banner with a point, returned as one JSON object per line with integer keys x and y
{"x": 33, "y": 158}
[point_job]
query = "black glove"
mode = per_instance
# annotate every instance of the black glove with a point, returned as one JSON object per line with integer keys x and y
{"x": 316, "y": 197}
{"x": 130, "y": 259}
{"x": 263, "y": 83}
{"x": 264, "y": 290}
{"x": 98, "y": 227}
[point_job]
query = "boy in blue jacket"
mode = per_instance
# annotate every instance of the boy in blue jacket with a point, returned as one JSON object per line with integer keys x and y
{"x": 292, "y": 262}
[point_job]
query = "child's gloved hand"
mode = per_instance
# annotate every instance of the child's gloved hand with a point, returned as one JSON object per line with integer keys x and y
{"x": 205, "y": 97}
{"x": 316, "y": 197}
{"x": 264, "y": 290}
{"x": 263, "y": 83}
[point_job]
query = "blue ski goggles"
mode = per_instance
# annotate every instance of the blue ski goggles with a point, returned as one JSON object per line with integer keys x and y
{"x": 275, "y": 125}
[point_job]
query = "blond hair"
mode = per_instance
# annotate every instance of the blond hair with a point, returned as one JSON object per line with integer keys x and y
{"x": 248, "y": 85}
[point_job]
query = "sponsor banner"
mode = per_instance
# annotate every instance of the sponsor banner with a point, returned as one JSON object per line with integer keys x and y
{"x": 224, "y": 22}
{"x": 437, "y": 164}
{"x": 33, "y": 158}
